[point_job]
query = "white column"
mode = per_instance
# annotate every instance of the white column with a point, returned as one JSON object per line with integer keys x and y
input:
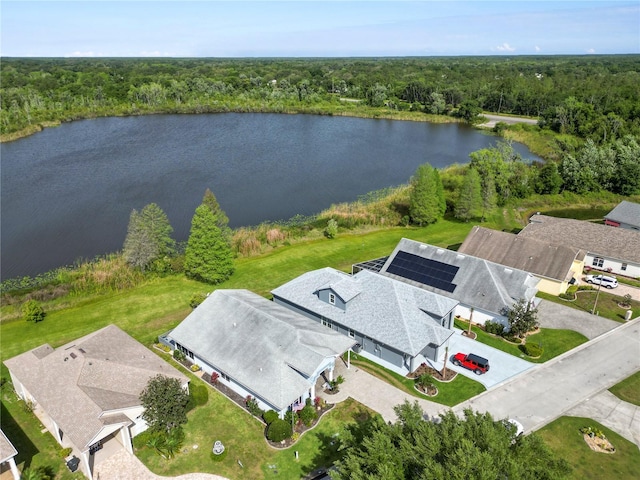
{"x": 331, "y": 374}
{"x": 87, "y": 463}
{"x": 348, "y": 359}
{"x": 14, "y": 469}
{"x": 313, "y": 392}
{"x": 56, "y": 430}
{"x": 125, "y": 435}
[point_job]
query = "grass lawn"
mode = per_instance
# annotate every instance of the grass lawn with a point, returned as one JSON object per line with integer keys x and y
{"x": 628, "y": 389}
{"x": 607, "y": 306}
{"x": 449, "y": 393}
{"x": 24, "y": 430}
{"x": 243, "y": 438}
{"x": 564, "y": 438}
{"x": 553, "y": 341}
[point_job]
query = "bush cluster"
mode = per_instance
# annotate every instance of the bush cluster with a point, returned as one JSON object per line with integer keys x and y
{"x": 279, "y": 430}
{"x": 532, "y": 349}
{"x": 495, "y": 328}
{"x": 308, "y": 415}
{"x": 269, "y": 416}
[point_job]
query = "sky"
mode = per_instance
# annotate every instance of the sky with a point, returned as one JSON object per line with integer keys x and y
{"x": 364, "y": 28}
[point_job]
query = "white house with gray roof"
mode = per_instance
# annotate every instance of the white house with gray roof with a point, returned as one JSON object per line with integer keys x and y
{"x": 259, "y": 348}
{"x": 7, "y": 454}
{"x": 87, "y": 392}
{"x": 487, "y": 288}
{"x": 392, "y": 321}
{"x": 615, "y": 250}
{"x": 624, "y": 215}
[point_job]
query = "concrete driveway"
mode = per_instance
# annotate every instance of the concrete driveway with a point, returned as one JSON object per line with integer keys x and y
{"x": 503, "y": 365}
{"x": 554, "y": 315}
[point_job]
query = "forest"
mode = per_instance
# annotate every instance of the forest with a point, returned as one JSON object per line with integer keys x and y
{"x": 590, "y": 97}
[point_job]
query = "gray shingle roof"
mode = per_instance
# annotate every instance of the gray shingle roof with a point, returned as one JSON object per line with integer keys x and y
{"x": 625, "y": 212}
{"x": 76, "y": 384}
{"x": 527, "y": 254}
{"x": 599, "y": 240}
{"x": 7, "y": 450}
{"x": 480, "y": 284}
{"x": 263, "y": 346}
{"x": 396, "y": 314}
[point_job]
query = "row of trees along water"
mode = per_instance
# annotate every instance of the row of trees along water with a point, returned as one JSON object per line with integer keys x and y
{"x": 594, "y": 97}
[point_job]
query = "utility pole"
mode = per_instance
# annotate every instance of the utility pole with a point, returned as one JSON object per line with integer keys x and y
{"x": 593, "y": 312}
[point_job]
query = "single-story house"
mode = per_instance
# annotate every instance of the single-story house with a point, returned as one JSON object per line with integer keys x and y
{"x": 87, "y": 392}
{"x": 556, "y": 266}
{"x": 7, "y": 454}
{"x": 258, "y": 348}
{"x": 392, "y": 321}
{"x": 615, "y": 250}
{"x": 485, "y": 290}
{"x": 624, "y": 215}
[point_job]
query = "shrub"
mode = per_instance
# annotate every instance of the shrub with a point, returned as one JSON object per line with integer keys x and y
{"x": 163, "y": 347}
{"x": 279, "y": 430}
{"x": 331, "y": 230}
{"x": 252, "y": 406}
{"x": 65, "y": 452}
{"x": 308, "y": 415}
{"x": 495, "y": 328}
{"x": 196, "y": 299}
{"x": 178, "y": 355}
{"x": 33, "y": 311}
{"x": 269, "y": 416}
{"x": 291, "y": 417}
{"x": 214, "y": 378}
{"x": 512, "y": 339}
{"x": 195, "y": 368}
{"x": 532, "y": 349}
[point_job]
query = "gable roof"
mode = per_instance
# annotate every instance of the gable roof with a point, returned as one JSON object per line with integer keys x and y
{"x": 7, "y": 450}
{"x": 396, "y": 314}
{"x": 625, "y": 212}
{"x": 265, "y": 347}
{"x": 528, "y": 254}
{"x": 598, "y": 240}
{"x": 78, "y": 384}
{"x": 478, "y": 283}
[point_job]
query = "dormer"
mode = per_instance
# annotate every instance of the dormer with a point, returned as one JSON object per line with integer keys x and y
{"x": 339, "y": 294}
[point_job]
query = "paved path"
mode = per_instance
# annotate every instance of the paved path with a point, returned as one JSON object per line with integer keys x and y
{"x": 608, "y": 410}
{"x": 493, "y": 119}
{"x": 551, "y": 389}
{"x": 555, "y": 315}
{"x": 124, "y": 466}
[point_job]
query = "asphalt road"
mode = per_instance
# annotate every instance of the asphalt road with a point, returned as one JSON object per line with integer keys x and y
{"x": 546, "y": 392}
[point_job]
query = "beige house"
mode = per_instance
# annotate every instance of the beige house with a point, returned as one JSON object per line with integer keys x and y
{"x": 87, "y": 392}
{"x": 7, "y": 454}
{"x": 557, "y": 266}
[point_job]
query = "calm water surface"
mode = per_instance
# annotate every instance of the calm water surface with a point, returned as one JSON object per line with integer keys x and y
{"x": 67, "y": 192}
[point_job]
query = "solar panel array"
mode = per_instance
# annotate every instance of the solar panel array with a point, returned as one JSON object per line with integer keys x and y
{"x": 424, "y": 270}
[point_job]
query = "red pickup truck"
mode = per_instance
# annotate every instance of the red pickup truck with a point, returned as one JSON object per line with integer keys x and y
{"x": 471, "y": 361}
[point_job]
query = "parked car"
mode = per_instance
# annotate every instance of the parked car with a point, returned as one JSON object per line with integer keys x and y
{"x": 478, "y": 364}
{"x": 604, "y": 280}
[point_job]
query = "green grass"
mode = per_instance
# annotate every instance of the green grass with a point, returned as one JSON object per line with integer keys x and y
{"x": 243, "y": 438}
{"x": 24, "y": 430}
{"x": 564, "y": 438}
{"x": 628, "y": 389}
{"x": 607, "y": 306}
{"x": 449, "y": 393}
{"x": 554, "y": 341}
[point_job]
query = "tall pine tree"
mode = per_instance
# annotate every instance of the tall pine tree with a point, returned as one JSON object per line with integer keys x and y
{"x": 469, "y": 201}
{"x": 208, "y": 257}
{"x": 426, "y": 202}
{"x": 148, "y": 237}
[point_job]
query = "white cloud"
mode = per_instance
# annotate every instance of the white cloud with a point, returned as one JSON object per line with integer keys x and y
{"x": 591, "y": 50}
{"x": 536, "y": 48}
{"x": 505, "y": 47}
{"x": 80, "y": 54}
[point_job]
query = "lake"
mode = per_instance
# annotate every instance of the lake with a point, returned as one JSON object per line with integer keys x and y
{"x": 67, "y": 192}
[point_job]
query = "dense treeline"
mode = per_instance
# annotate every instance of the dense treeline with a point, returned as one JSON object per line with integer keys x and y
{"x": 595, "y": 97}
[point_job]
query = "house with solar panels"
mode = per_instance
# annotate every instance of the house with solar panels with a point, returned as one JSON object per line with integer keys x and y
{"x": 395, "y": 323}
{"x": 486, "y": 288}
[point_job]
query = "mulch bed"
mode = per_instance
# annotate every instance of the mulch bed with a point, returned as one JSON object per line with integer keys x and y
{"x": 597, "y": 444}
{"x": 436, "y": 374}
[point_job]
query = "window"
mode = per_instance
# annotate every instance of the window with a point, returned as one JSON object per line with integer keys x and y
{"x": 186, "y": 351}
{"x": 326, "y": 323}
{"x": 352, "y": 334}
{"x": 225, "y": 376}
{"x": 332, "y": 299}
{"x": 623, "y": 267}
{"x": 598, "y": 262}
